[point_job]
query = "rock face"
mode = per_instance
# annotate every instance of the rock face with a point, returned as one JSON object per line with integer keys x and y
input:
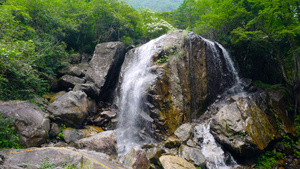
{"x": 105, "y": 66}
{"x": 136, "y": 158}
{"x": 57, "y": 157}
{"x": 190, "y": 72}
{"x": 68, "y": 81}
{"x": 105, "y": 142}
{"x": 69, "y": 109}
{"x": 174, "y": 162}
{"x": 31, "y": 122}
{"x": 246, "y": 125}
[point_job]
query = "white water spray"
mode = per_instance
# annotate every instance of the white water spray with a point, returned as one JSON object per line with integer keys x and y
{"x": 133, "y": 126}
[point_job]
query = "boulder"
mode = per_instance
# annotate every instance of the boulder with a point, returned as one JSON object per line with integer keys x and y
{"x": 69, "y": 109}
{"x": 89, "y": 88}
{"x": 246, "y": 125}
{"x": 136, "y": 158}
{"x": 104, "y": 68}
{"x": 31, "y": 122}
{"x": 153, "y": 154}
{"x": 184, "y": 132}
{"x": 189, "y": 71}
{"x": 76, "y": 71}
{"x": 57, "y": 157}
{"x": 55, "y": 130}
{"x": 174, "y": 162}
{"x": 193, "y": 155}
{"x": 105, "y": 142}
{"x": 68, "y": 81}
{"x": 72, "y": 135}
{"x": 172, "y": 142}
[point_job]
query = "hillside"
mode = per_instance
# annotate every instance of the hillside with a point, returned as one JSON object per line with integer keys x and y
{"x": 156, "y": 5}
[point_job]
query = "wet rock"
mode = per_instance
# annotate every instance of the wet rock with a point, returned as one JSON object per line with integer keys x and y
{"x": 184, "y": 132}
{"x": 69, "y": 109}
{"x": 172, "y": 142}
{"x": 31, "y": 122}
{"x": 153, "y": 154}
{"x": 68, "y": 81}
{"x": 57, "y": 156}
{"x": 89, "y": 88}
{"x": 72, "y": 135}
{"x": 105, "y": 67}
{"x": 247, "y": 125}
{"x": 91, "y": 130}
{"x": 174, "y": 162}
{"x": 108, "y": 114}
{"x": 136, "y": 158}
{"x": 55, "y": 130}
{"x": 105, "y": 142}
{"x": 193, "y": 155}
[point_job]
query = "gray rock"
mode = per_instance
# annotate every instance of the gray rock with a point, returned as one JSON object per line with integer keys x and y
{"x": 172, "y": 142}
{"x": 184, "y": 132}
{"x": 105, "y": 66}
{"x": 72, "y": 135}
{"x": 68, "y": 81}
{"x": 55, "y": 130}
{"x": 31, "y": 122}
{"x": 153, "y": 154}
{"x": 89, "y": 88}
{"x": 109, "y": 114}
{"x": 92, "y": 107}
{"x": 136, "y": 158}
{"x": 193, "y": 155}
{"x": 105, "y": 142}
{"x": 75, "y": 71}
{"x": 173, "y": 162}
{"x": 57, "y": 156}
{"x": 69, "y": 109}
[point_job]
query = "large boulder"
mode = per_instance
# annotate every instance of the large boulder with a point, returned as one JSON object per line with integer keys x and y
{"x": 89, "y": 88}
{"x": 69, "y": 109}
{"x": 184, "y": 131}
{"x": 193, "y": 155}
{"x": 174, "y": 162}
{"x": 246, "y": 125}
{"x": 189, "y": 71}
{"x": 56, "y": 157}
{"x": 105, "y": 142}
{"x": 104, "y": 68}
{"x": 136, "y": 158}
{"x": 68, "y": 81}
{"x": 31, "y": 122}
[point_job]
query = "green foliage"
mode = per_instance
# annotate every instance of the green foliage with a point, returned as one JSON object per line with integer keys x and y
{"x": 156, "y": 5}
{"x": 60, "y": 135}
{"x": 8, "y": 138}
{"x": 297, "y": 124}
{"x": 268, "y": 160}
{"x": 46, "y": 164}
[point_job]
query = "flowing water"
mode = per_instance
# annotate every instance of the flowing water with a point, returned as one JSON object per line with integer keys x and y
{"x": 134, "y": 127}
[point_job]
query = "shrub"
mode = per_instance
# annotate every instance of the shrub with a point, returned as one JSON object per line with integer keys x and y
{"x": 8, "y": 138}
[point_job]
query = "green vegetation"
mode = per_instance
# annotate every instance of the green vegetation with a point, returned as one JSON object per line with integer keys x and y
{"x": 46, "y": 164}
{"x": 38, "y": 37}
{"x": 60, "y": 135}
{"x": 8, "y": 138}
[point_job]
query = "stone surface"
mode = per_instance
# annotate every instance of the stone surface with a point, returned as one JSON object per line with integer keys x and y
{"x": 153, "y": 154}
{"x": 55, "y": 130}
{"x": 184, "y": 131}
{"x": 104, "y": 68}
{"x": 172, "y": 142}
{"x": 189, "y": 80}
{"x": 68, "y": 81}
{"x": 105, "y": 142}
{"x": 168, "y": 161}
{"x": 31, "y": 122}
{"x": 246, "y": 125}
{"x": 72, "y": 135}
{"x": 58, "y": 156}
{"x": 69, "y": 109}
{"x": 89, "y": 88}
{"x": 193, "y": 155}
{"x": 136, "y": 158}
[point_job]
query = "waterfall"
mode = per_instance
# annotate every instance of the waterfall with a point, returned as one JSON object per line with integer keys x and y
{"x": 134, "y": 126}
{"x": 237, "y": 85}
{"x": 213, "y": 153}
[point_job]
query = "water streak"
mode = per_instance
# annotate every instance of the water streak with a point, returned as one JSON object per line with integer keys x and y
{"x": 134, "y": 126}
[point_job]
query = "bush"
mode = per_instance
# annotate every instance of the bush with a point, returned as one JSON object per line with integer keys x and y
{"x": 8, "y": 138}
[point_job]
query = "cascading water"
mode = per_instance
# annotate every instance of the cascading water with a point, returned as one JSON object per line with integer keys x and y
{"x": 213, "y": 153}
{"x": 133, "y": 126}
